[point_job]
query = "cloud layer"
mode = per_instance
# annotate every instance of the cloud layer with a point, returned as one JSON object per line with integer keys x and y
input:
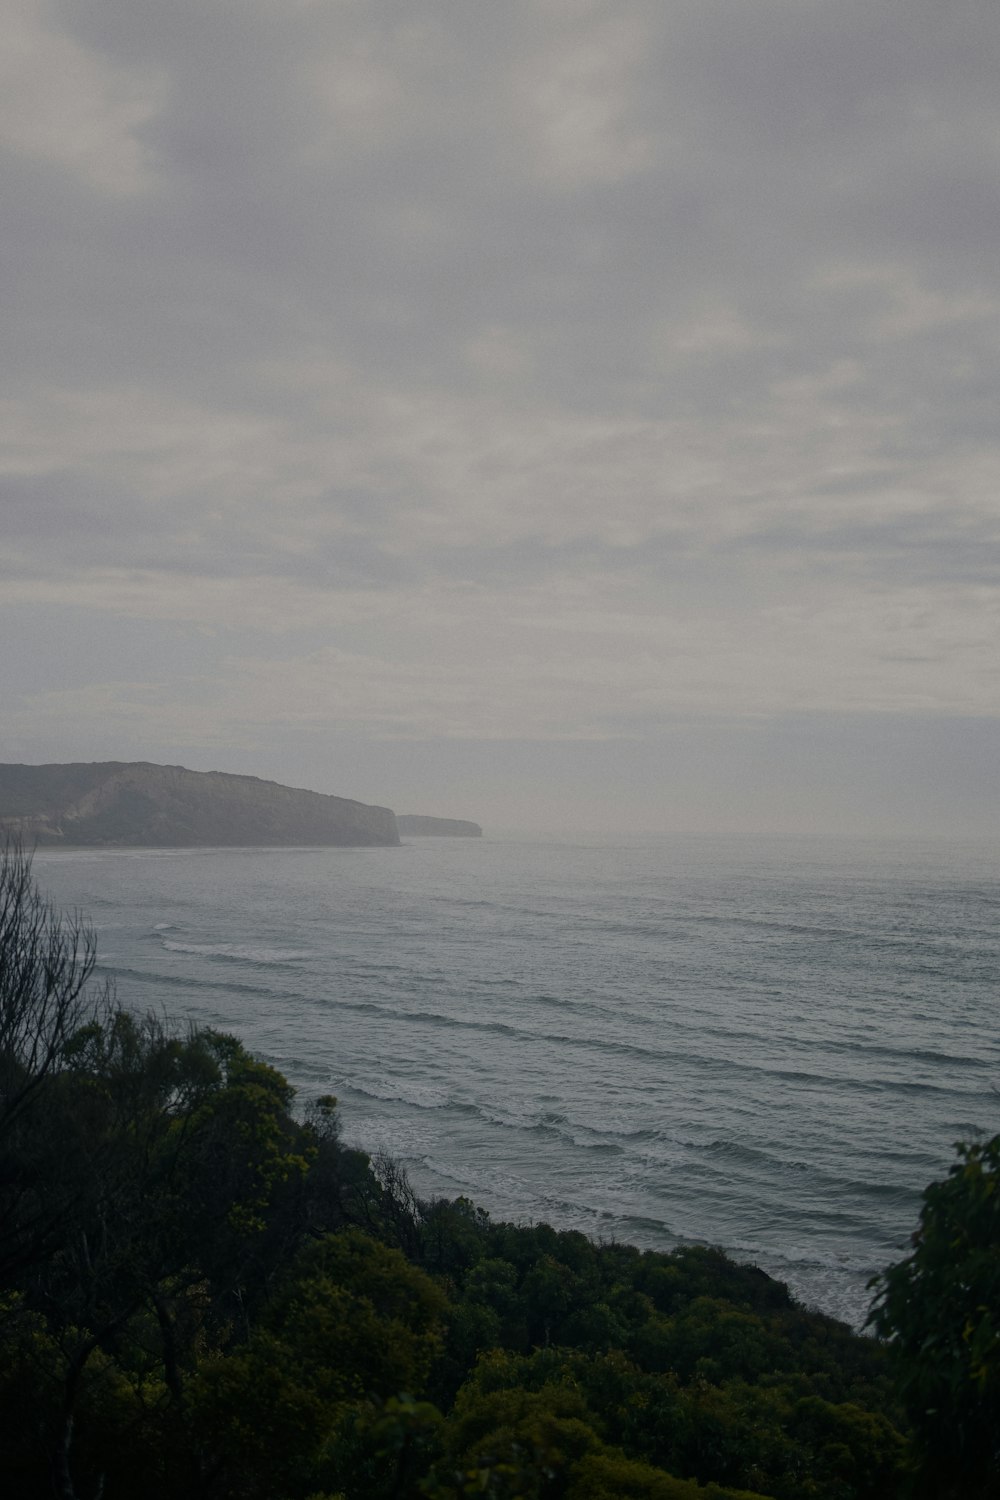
{"x": 560, "y": 371}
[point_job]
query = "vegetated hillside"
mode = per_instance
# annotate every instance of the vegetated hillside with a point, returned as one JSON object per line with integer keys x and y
{"x": 203, "y": 1295}
{"x": 139, "y": 804}
{"x": 416, "y": 825}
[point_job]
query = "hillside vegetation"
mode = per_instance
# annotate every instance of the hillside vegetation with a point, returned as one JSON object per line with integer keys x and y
{"x": 137, "y": 804}
{"x": 203, "y": 1294}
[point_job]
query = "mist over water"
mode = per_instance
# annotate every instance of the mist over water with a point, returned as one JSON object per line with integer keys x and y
{"x": 766, "y": 1044}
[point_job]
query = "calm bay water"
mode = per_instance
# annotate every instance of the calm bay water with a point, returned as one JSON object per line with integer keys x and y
{"x": 765, "y": 1044}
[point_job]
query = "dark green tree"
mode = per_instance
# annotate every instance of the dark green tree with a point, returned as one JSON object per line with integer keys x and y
{"x": 311, "y": 1402}
{"x": 940, "y": 1310}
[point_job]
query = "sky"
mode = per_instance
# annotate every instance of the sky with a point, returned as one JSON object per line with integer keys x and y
{"x": 567, "y": 414}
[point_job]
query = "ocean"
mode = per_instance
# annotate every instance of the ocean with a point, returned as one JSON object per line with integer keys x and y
{"x": 766, "y": 1044}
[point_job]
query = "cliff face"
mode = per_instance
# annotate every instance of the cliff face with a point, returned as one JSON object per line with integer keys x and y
{"x": 138, "y": 804}
{"x": 413, "y": 824}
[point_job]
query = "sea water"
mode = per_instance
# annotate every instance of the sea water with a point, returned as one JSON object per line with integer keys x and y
{"x": 770, "y": 1045}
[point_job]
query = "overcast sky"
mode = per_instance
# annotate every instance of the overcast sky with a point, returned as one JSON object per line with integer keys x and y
{"x": 562, "y": 413}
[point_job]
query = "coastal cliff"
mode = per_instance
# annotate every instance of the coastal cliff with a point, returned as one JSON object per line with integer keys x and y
{"x": 138, "y": 804}
{"x": 415, "y": 825}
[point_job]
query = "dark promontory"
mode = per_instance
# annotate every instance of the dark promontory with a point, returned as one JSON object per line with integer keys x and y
{"x": 136, "y": 804}
{"x": 414, "y": 825}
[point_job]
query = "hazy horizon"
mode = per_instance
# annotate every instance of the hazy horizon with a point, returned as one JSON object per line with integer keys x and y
{"x": 569, "y": 414}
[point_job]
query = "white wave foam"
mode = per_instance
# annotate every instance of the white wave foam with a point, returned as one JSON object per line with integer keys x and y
{"x": 238, "y": 952}
{"x": 418, "y": 1096}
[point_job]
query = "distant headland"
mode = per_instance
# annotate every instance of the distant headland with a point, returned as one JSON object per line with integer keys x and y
{"x": 136, "y": 804}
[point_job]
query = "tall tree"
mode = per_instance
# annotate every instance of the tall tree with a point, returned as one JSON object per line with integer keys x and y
{"x": 46, "y": 996}
{"x": 940, "y": 1310}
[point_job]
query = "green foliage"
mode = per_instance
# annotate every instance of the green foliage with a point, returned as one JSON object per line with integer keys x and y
{"x": 940, "y": 1310}
{"x": 712, "y": 1339}
{"x": 763, "y": 1439}
{"x": 528, "y": 1440}
{"x": 601, "y": 1476}
{"x": 383, "y": 1315}
{"x": 353, "y": 1323}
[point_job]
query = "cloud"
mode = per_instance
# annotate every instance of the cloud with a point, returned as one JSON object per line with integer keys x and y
{"x": 575, "y": 96}
{"x": 540, "y": 370}
{"x": 66, "y": 106}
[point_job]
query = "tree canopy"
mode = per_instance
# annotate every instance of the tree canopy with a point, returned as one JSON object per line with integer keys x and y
{"x": 940, "y": 1310}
